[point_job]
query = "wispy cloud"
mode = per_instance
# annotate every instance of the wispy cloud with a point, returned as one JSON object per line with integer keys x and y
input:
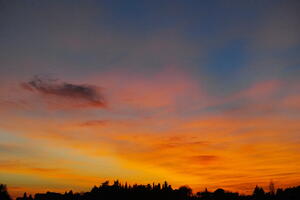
{"x": 94, "y": 123}
{"x": 80, "y": 94}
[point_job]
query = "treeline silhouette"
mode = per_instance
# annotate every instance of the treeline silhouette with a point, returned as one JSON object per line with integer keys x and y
{"x": 118, "y": 191}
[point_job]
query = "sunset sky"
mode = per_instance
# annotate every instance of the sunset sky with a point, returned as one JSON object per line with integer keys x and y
{"x": 199, "y": 93}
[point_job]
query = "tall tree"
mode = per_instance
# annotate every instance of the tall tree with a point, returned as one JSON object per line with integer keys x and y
{"x": 3, "y": 193}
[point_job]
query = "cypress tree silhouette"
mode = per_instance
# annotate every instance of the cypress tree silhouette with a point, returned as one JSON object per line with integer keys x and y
{"x": 3, "y": 193}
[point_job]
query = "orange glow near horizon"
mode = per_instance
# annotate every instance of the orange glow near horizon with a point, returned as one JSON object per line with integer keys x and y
{"x": 235, "y": 149}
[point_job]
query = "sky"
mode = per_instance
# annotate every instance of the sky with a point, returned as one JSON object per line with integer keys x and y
{"x": 199, "y": 93}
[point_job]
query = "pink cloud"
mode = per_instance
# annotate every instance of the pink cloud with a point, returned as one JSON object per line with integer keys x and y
{"x": 167, "y": 88}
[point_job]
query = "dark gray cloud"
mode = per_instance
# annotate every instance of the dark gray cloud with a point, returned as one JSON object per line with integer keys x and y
{"x": 87, "y": 95}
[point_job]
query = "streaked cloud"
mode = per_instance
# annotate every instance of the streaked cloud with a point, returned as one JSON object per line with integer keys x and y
{"x": 78, "y": 95}
{"x": 94, "y": 123}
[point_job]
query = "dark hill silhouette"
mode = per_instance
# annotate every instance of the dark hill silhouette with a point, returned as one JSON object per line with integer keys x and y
{"x": 118, "y": 191}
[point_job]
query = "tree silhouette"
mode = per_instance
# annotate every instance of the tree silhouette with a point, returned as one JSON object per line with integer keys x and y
{"x": 119, "y": 191}
{"x": 272, "y": 189}
{"x": 185, "y": 192}
{"x": 258, "y": 193}
{"x": 3, "y": 193}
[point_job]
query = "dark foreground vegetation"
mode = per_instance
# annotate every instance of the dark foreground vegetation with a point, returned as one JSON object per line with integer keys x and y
{"x": 118, "y": 191}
